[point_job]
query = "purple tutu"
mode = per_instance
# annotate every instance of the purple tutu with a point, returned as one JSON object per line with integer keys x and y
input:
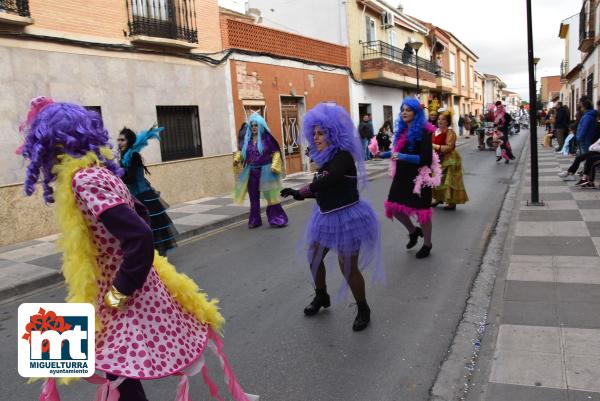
{"x": 353, "y": 230}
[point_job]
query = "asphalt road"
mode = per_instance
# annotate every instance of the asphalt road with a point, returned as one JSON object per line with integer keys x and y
{"x": 263, "y": 284}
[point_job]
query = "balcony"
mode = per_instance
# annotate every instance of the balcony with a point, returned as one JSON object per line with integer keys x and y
{"x": 586, "y": 28}
{"x": 15, "y": 12}
{"x": 445, "y": 81}
{"x": 387, "y": 65}
{"x": 163, "y": 22}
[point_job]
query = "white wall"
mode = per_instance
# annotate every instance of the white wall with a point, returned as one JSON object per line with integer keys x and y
{"x": 574, "y": 54}
{"x": 319, "y": 19}
{"x": 377, "y": 96}
{"x": 127, "y": 87}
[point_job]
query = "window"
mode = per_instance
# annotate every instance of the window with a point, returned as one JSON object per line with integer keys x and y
{"x": 453, "y": 67}
{"x": 181, "y": 138}
{"x": 97, "y": 109}
{"x": 463, "y": 74}
{"x": 392, "y": 38}
{"x": 371, "y": 34}
{"x": 172, "y": 19}
{"x": 590, "y": 86}
{"x": 388, "y": 115}
{"x": 158, "y": 9}
{"x": 472, "y": 77}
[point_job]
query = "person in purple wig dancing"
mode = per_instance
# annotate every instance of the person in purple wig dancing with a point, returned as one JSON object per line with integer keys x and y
{"x": 411, "y": 150}
{"x": 340, "y": 221}
{"x": 261, "y": 157}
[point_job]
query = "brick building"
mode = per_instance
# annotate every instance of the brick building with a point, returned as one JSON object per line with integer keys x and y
{"x": 282, "y": 76}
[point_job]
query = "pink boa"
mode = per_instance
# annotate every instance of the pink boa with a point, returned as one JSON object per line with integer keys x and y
{"x": 428, "y": 176}
{"x": 373, "y": 146}
{"x": 393, "y": 208}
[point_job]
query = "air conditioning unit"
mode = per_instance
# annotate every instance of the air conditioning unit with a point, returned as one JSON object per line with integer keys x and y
{"x": 387, "y": 20}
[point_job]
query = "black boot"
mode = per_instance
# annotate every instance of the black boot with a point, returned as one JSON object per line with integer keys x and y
{"x": 321, "y": 300}
{"x": 414, "y": 237}
{"x": 363, "y": 316}
{"x": 424, "y": 251}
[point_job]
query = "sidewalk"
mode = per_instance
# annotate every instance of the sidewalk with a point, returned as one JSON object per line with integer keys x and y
{"x": 36, "y": 263}
{"x": 546, "y": 304}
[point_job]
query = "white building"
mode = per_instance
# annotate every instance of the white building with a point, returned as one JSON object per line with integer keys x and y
{"x": 492, "y": 91}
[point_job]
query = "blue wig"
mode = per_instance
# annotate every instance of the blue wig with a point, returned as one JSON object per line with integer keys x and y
{"x": 418, "y": 124}
{"x": 339, "y": 129}
{"x": 263, "y": 133}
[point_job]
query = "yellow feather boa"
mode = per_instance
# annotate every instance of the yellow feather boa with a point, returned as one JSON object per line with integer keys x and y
{"x": 80, "y": 269}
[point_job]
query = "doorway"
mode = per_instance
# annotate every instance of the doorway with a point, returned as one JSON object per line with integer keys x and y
{"x": 290, "y": 134}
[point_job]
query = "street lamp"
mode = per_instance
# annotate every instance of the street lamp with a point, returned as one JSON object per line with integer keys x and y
{"x": 416, "y": 46}
{"x": 532, "y": 61}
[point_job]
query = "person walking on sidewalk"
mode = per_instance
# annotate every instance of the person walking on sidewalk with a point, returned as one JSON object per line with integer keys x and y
{"x": 365, "y": 130}
{"x": 411, "y": 190}
{"x": 461, "y": 125}
{"x": 587, "y": 128}
{"x": 561, "y": 125}
{"x": 261, "y": 158}
{"x": 467, "y": 125}
{"x": 341, "y": 221}
{"x": 152, "y": 321}
{"x": 452, "y": 188}
{"x": 130, "y": 146}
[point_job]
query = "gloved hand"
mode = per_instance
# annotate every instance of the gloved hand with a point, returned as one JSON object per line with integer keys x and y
{"x": 114, "y": 299}
{"x": 285, "y": 192}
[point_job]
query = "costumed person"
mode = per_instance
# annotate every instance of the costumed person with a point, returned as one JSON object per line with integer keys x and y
{"x": 341, "y": 221}
{"x": 130, "y": 146}
{"x": 415, "y": 172}
{"x": 452, "y": 188}
{"x": 383, "y": 136}
{"x": 151, "y": 322}
{"x": 502, "y": 121}
{"x": 261, "y": 160}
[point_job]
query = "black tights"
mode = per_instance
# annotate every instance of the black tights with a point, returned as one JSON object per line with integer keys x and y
{"x": 349, "y": 268}
{"x": 130, "y": 389}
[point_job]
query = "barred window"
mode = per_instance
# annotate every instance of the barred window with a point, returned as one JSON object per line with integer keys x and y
{"x": 181, "y": 138}
{"x": 97, "y": 109}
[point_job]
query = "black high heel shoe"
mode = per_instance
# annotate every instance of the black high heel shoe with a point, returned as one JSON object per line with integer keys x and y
{"x": 424, "y": 252}
{"x": 321, "y": 300}
{"x": 363, "y": 316}
{"x": 414, "y": 238}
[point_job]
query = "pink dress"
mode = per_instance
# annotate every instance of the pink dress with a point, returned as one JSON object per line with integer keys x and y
{"x": 153, "y": 336}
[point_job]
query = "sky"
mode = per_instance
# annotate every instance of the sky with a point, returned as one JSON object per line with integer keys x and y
{"x": 495, "y": 30}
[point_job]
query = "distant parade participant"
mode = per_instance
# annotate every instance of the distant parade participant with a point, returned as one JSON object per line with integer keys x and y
{"x": 130, "y": 146}
{"x": 152, "y": 322}
{"x": 414, "y": 174}
{"x": 502, "y": 121}
{"x": 341, "y": 221}
{"x": 261, "y": 160}
{"x": 452, "y": 188}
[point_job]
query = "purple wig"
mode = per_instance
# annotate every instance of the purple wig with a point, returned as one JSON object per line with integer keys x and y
{"x": 418, "y": 124}
{"x": 62, "y": 128}
{"x": 339, "y": 131}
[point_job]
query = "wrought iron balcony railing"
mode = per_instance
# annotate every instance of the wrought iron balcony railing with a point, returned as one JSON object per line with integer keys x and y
{"x": 377, "y": 49}
{"x": 171, "y": 19}
{"x": 585, "y": 24}
{"x": 18, "y": 7}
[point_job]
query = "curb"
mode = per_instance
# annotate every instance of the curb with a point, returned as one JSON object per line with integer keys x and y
{"x": 453, "y": 380}
{"x": 24, "y": 288}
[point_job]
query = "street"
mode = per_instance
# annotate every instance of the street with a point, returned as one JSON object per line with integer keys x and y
{"x": 263, "y": 283}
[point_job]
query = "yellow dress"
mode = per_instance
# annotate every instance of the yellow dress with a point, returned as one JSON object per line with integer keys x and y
{"x": 452, "y": 188}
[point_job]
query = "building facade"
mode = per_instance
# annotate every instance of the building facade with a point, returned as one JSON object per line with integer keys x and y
{"x": 550, "y": 87}
{"x": 270, "y": 78}
{"x": 492, "y": 90}
{"x": 570, "y": 67}
{"x": 136, "y": 64}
